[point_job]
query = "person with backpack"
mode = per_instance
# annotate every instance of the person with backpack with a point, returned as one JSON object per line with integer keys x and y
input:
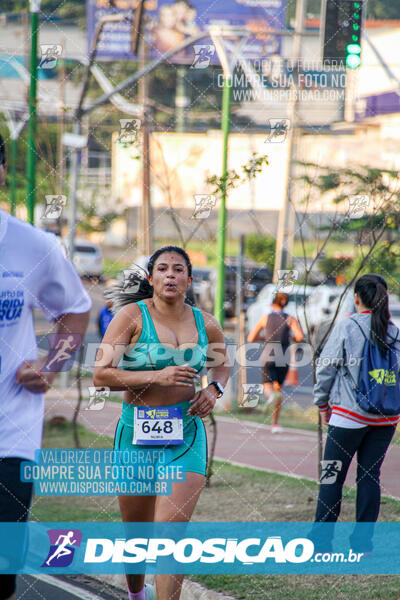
{"x": 276, "y": 328}
{"x": 357, "y": 392}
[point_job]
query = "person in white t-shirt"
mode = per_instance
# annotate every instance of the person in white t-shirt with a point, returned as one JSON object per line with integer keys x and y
{"x": 33, "y": 274}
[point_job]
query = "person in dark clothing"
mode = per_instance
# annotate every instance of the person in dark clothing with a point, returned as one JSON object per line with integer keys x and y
{"x": 104, "y": 319}
{"x": 3, "y": 162}
{"x": 276, "y": 328}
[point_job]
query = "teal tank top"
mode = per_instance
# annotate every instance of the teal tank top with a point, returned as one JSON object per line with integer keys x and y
{"x": 148, "y": 353}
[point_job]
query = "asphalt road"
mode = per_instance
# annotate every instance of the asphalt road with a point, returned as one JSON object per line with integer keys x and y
{"x": 40, "y": 587}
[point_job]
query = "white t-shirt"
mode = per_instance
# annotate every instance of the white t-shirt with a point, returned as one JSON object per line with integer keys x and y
{"x": 33, "y": 274}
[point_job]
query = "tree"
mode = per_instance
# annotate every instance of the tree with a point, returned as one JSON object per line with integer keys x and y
{"x": 261, "y": 248}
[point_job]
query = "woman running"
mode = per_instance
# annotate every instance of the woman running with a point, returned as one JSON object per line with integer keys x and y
{"x": 168, "y": 346}
{"x": 352, "y": 428}
{"x": 277, "y": 327}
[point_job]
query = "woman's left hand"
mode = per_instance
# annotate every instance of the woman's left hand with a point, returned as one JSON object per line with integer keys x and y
{"x": 203, "y": 402}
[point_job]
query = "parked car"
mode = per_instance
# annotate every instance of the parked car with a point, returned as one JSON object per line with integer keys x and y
{"x": 254, "y": 279}
{"x": 262, "y": 305}
{"x": 202, "y": 287}
{"x": 348, "y": 308}
{"x": 322, "y": 304}
{"x": 88, "y": 259}
{"x": 395, "y": 314}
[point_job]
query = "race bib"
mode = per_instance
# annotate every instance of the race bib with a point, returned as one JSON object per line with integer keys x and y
{"x": 162, "y": 426}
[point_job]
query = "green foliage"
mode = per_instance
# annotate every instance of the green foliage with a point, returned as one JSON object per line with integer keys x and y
{"x": 68, "y": 9}
{"x": 92, "y": 221}
{"x": 334, "y": 266}
{"x": 261, "y": 248}
{"x": 233, "y": 179}
{"x": 46, "y": 162}
{"x": 385, "y": 261}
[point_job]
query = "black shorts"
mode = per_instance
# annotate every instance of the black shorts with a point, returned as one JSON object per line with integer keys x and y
{"x": 15, "y": 500}
{"x": 271, "y": 373}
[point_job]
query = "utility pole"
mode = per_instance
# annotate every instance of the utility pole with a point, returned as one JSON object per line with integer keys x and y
{"x": 60, "y": 151}
{"x": 285, "y": 224}
{"x": 181, "y": 99}
{"x": 145, "y": 220}
{"x": 31, "y": 156}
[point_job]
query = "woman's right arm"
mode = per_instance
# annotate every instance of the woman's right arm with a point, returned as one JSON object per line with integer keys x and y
{"x": 328, "y": 363}
{"x": 123, "y": 327}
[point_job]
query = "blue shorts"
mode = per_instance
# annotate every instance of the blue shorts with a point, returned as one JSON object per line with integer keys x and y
{"x": 191, "y": 455}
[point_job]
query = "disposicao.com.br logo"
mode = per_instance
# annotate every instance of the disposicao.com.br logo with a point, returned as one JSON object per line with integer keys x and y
{"x": 202, "y": 547}
{"x": 192, "y": 550}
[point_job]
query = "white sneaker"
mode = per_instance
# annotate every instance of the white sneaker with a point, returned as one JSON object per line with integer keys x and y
{"x": 276, "y": 429}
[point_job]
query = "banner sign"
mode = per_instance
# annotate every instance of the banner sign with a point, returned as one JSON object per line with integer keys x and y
{"x": 237, "y": 548}
{"x": 170, "y": 22}
{"x": 377, "y": 104}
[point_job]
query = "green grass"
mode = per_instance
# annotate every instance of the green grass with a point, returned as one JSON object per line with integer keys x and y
{"x": 304, "y": 587}
{"x": 236, "y": 494}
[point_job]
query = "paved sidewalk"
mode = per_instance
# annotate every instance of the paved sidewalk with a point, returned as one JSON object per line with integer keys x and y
{"x": 293, "y": 452}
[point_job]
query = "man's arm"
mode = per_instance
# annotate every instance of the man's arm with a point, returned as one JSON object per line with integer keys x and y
{"x": 31, "y": 374}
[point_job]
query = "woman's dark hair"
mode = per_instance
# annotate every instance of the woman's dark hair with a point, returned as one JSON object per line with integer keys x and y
{"x": 132, "y": 285}
{"x": 372, "y": 290}
{"x": 176, "y": 249}
{"x": 280, "y": 299}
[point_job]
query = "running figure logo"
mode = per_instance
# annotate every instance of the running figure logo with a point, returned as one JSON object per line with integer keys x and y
{"x": 358, "y": 205}
{"x": 278, "y": 130}
{"x": 204, "y": 203}
{"x": 49, "y": 55}
{"x": 128, "y": 131}
{"x": 54, "y": 206}
{"x": 330, "y": 470}
{"x": 286, "y": 279}
{"x": 252, "y": 392}
{"x": 97, "y": 397}
{"x": 62, "y": 351}
{"x": 62, "y": 547}
{"x": 131, "y": 282}
{"x": 203, "y": 55}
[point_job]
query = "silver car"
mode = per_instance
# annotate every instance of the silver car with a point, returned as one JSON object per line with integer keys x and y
{"x": 88, "y": 259}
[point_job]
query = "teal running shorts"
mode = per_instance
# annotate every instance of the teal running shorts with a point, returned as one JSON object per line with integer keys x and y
{"x": 191, "y": 455}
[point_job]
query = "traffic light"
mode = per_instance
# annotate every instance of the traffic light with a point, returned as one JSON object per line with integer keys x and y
{"x": 342, "y": 33}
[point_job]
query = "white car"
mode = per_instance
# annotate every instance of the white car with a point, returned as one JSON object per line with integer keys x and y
{"x": 262, "y": 305}
{"x": 347, "y": 308}
{"x": 202, "y": 287}
{"x": 322, "y": 304}
{"x": 394, "y": 310}
{"x": 88, "y": 259}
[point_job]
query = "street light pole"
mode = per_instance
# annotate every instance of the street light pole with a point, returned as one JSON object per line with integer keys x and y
{"x": 220, "y": 289}
{"x": 227, "y": 55}
{"x": 31, "y": 156}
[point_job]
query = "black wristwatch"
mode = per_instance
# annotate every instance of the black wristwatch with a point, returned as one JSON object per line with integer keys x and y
{"x": 219, "y": 387}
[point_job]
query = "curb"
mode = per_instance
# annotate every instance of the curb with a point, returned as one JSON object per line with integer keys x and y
{"x": 190, "y": 589}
